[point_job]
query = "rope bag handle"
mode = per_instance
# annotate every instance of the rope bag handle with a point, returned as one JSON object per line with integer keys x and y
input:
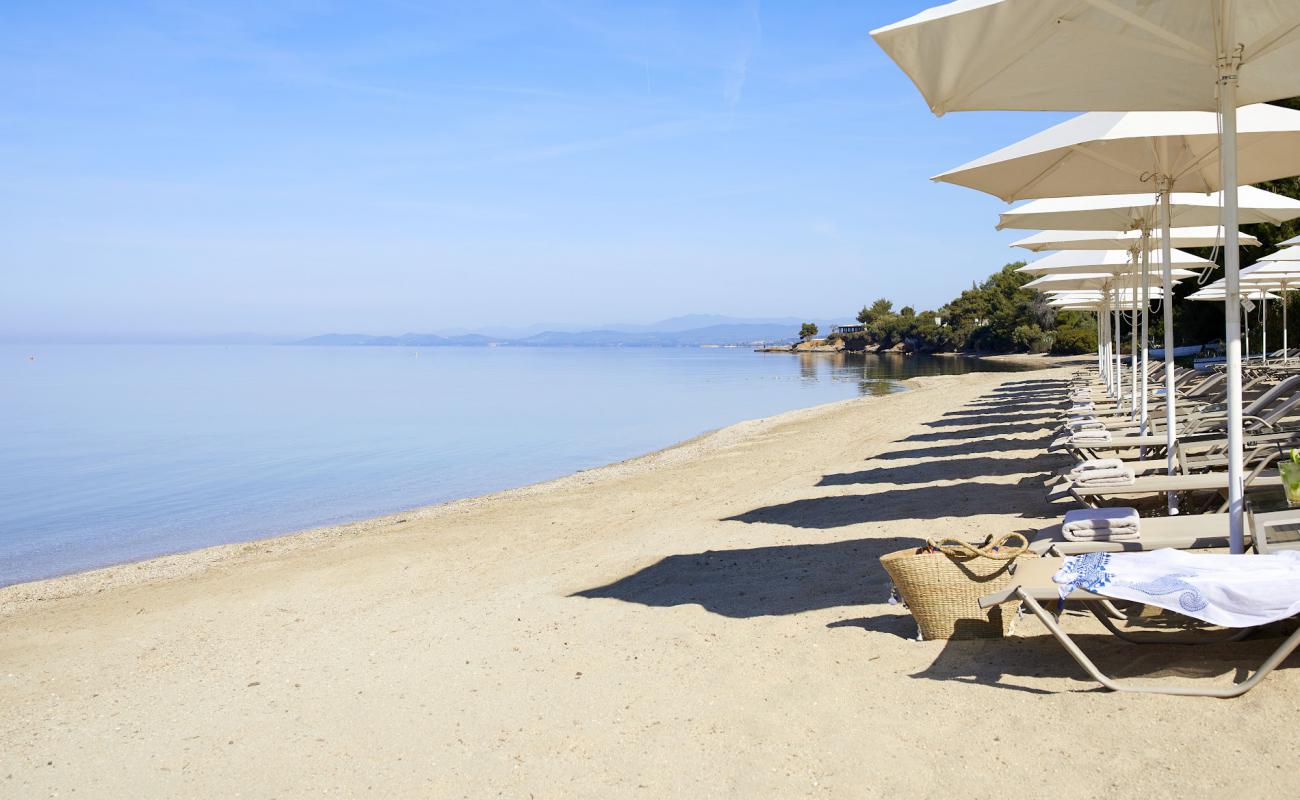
{"x": 1006, "y": 548}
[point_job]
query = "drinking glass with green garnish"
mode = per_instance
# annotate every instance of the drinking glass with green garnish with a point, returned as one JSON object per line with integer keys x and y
{"x": 1290, "y": 470}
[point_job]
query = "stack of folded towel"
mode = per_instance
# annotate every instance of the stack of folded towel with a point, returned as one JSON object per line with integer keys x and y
{"x": 1087, "y": 430}
{"x": 1090, "y": 436}
{"x": 1101, "y": 472}
{"x": 1101, "y": 525}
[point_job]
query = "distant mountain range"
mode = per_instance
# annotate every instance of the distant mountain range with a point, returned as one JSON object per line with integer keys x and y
{"x": 689, "y": 331}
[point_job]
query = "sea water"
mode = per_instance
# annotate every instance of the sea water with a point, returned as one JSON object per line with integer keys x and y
{"x": 112, "y": 454}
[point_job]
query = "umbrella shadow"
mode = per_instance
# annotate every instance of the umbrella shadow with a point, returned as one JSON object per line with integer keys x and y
{"x": 968, "y": 447}
{"x": 976, "y": 418}
{"x": 946, "y": 469}
{"x": 977, "y": 433}
{"x": 920, "y": 503}
{"x": 762, "y": 581}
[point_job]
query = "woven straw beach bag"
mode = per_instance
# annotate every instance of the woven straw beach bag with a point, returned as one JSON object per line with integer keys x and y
{"x": 941, "y": 584}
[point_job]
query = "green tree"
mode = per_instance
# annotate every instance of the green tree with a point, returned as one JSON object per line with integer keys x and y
{"x": 880, "y": 308}
{"x": 807, "y": 331}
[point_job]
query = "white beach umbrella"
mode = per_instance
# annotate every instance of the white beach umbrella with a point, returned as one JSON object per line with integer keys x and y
{"x": 1134, "y": 211}
{"x": 1097, "y": 55}
{"x": 1294, "y": 240}
{"x": 1113, "y": 261}
{"x": 1285, "y": 254}
{"x": 1199, "y": 236}
{"x": 1116, "y": 55}
{"x": 1108, "y": 152}
{"x": 1099, "y": 280}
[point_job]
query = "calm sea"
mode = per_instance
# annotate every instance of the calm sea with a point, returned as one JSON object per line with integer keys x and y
{"x": 119, "y": 453}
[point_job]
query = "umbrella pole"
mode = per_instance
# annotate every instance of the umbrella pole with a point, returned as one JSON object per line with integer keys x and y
{"x": 1167, "y": 312}
{"x": 1101, "y": 351}
{"x": 1286, "y": 348}
{"x": 1245, "y": 339}
{"x": 1133, "y": 346}
{"x": 1110, "y": 350}
{"x": 1263, "y": 327}
{"x": 1146, "y": 316}
{"x": 1118, "y": 353}
{"x": 1228, "y": 63}
{"x": 1105, "y": 327}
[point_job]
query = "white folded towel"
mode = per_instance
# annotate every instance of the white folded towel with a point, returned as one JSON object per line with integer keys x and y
{"x": 1101, "y": 525}
{"x": 1090, "y": 435}
{"x": 1116, "y": 476}
{"x": 1084, "y": 468}
{"x": 1086, "y": 425}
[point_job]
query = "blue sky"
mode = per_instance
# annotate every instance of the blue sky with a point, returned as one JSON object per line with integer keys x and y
{"x": 297, "y": 167}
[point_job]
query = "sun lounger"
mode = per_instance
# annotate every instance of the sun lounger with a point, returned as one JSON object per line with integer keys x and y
{"x": 1093, "y": 495}
{"x": 1033, "y": 586}
{"x": 1184, "y": 532}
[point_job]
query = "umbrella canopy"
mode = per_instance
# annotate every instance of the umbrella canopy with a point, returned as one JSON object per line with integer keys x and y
{"x": 1109, "y": 153}
{"x": 1103, "y": 55}
{"x": 1218, "y": 293}
{"x": 1285, "y": 254}
{"x": 1132, "y": 211}
{"x": 1099, "y": 280}
{"x": 1112, "y": 261}
{"x": 1277, "y": 271}
{"x": 1200, "y": 236}
{"x": 1292, "y": 241}
{"x": 1071, "y": 296}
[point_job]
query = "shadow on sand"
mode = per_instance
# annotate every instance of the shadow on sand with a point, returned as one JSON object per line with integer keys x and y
{"x": 982, "y": 432}
{"x": 1000, "y": 662}
{"x": 924, "y": 502}
{"x": 948, "y": 469}
{"x": 763, "y": 581}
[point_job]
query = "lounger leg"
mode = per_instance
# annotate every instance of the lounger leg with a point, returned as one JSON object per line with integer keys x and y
{"x": 1237, "y": 689}
{"x": 1087, "y": 500}
{"x": 1107, "y": 613}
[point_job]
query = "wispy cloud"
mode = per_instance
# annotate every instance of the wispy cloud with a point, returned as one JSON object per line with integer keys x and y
{"x": 737, "y": 72}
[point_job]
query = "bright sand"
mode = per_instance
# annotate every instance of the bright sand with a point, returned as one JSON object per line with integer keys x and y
{"x": 709, "y": 620}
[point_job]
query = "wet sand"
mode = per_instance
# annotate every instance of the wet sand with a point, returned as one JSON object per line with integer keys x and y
{"x": 708, "y": 620}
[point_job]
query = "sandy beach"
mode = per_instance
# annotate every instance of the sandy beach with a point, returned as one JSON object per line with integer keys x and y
{"x": 709, "y": 620}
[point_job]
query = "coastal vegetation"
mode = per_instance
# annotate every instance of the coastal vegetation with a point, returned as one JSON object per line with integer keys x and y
{"x": 995, "y": 315}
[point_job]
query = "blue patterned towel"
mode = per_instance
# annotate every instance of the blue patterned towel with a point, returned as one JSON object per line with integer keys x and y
{"x": 1239, "y": 591}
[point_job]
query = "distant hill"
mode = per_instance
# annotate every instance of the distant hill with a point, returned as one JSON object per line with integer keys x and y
{"x": 405, "y": 340}
{"x": 688, "y": 322}
{"x": 694, "y": 322}
{"x": 721, "y": 334}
